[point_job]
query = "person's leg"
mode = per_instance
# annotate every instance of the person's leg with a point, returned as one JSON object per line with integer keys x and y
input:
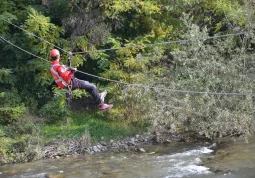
{"x": 91, "y": 89}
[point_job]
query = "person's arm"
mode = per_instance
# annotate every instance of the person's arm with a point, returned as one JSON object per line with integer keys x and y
{"x": 65, "y": 74}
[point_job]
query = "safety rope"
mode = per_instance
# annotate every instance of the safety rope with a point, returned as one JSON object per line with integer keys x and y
{"x": 141, "y": 85}
{"x": 161, "y": 43}
{"x": 128, "y": 47}
{"x": 69, "y": 87}
{"x": 24, "y": 50}
{"x": 32, "y": 34}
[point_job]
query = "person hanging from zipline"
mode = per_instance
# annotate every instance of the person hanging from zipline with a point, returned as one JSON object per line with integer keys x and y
{"x": 64, "y": 77}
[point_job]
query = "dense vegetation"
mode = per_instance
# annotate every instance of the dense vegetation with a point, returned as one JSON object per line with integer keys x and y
{"x": 31, "y": 105}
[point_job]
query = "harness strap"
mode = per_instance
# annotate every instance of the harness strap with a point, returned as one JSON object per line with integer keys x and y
{"x": 69, "y": 86}
{"x": 72, "y": 85}
{"x": 69, "y": 95}
{"x": 60, "y": 79}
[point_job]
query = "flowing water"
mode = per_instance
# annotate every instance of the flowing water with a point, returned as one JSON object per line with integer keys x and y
{"x": 235, "y": 159}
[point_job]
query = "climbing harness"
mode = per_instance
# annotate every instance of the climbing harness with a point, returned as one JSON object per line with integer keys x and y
{"x": 69, "y": 86}
{"x": 69, "y": 96}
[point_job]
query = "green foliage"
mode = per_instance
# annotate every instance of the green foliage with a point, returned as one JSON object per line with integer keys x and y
{"x": 26, "y": 125}
{"x": 11, "y": 114}
{"x": 6, "y": 144}
{"x": 6, "y": 76}
{"x": 10, "y": 99}
{"x": 115, "y": 7}
{"x": 132, "y": 106}
{"x": 219, "y": 15}
{"x": 81, "y": 25}
{"x": 8, "y": 17}
{"x": 56, "y": 109}
{"x": 126, "y": 64}
{"x": 40, "y": 25}
{"x": 85, "y": 23}
{"x": 215, "y": 66}
{"x": 11, "y": 107}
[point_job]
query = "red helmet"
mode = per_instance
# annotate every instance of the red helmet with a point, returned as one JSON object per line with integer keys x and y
{"x": 54, "y": 54}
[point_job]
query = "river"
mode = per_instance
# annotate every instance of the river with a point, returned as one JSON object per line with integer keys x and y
{"x": 236, "y": 159}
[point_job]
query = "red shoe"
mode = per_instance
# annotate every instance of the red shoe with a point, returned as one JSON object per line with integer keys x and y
{"x": 104, "y": 107}
{"x": 102, "y": 95}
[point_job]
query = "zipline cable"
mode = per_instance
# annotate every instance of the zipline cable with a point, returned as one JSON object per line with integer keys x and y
{"x": 23, "y": 49}
{"x": 161, "y": 43}
{"x": 140, "y": 85}
{"x": 33, "y": 34}
{"x": 128, "y": 47}
{"x": 50, "y": 62}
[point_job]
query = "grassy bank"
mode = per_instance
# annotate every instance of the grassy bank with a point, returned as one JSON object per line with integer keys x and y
{"x": 96, "y": 124}
{"x": 28, "y": 146}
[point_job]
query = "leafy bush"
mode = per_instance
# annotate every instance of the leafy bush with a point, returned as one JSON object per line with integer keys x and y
{"x": 25, "y": 125}
{"x": 10, "y": 99}
{"x": 11, "y": 107}
{"x": 6, "y": 76}
{"x": 132, "y": 105}
{"x": 6, "y": 144}
{"x": 10, "y": 115}
{"x": 215, "y": 66}
{"x": 56, "y": 109}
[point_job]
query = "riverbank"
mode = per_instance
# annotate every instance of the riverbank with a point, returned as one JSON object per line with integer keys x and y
{"x": 171, "y": 160}
{"x": 65, "y": 147}
{"x": 86, "y": 133}
{"x": 19, "y": 144}
{"x": 160, "y": 160}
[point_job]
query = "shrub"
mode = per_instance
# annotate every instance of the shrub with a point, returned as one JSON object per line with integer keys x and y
{"x": 216, "y": 66}
{"x": 10, "y": 99}
{"x": 133, "y": 105}
{"x": 11, "y": 107}
{"x": 11, "y": 114}
{"x": 27, "y": 124}
{"x": 54, "y": 111}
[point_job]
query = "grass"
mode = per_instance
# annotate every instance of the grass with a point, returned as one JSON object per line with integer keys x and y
{"x": 97, "y": 125}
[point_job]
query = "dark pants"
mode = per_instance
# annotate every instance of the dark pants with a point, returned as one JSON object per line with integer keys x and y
{"x": 89, "y": 87}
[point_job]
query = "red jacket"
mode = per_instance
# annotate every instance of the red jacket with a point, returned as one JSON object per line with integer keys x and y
{"x": 61, "y": 74}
